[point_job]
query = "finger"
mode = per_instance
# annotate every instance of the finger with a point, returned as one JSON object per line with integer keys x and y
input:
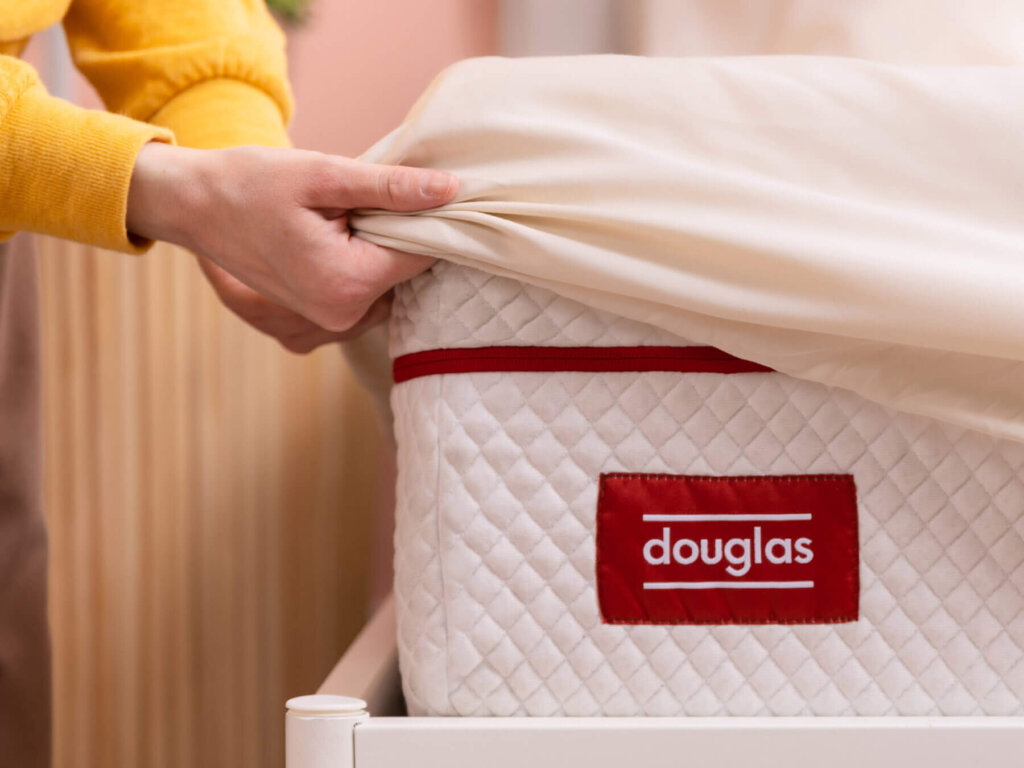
{"x": 293, "y": 331}
{"x": 313, "y": 336}
{"x": 381, "y": 266}
{"x": 352, "y": 184}
{"x": 256, "y": 310}
{"x": 305, "y": 343}
{"x": 378, "y": 312}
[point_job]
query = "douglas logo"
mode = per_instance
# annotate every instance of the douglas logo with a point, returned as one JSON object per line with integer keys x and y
{"x": 739, "y": 553}
{"x": 686, "y": 549}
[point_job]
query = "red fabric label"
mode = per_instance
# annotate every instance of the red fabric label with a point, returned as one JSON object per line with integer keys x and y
{"x": 691, "y": 549}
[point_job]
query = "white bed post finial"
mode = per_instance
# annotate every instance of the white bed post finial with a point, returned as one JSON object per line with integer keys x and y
{"x": 319, "y": 731}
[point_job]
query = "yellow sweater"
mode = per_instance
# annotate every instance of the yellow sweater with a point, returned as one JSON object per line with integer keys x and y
{"x": 207, "y": 73}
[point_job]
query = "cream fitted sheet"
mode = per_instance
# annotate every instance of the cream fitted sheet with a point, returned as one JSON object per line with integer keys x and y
{"x": 846, "y": 222}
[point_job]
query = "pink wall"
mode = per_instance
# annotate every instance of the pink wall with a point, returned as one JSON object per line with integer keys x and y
{"x": 358, "y": 66}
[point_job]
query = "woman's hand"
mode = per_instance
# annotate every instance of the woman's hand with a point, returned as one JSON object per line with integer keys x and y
{"x": 276, "y": 221}
{"x": 292, "y": 330}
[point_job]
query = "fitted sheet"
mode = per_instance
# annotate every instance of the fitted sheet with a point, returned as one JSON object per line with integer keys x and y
{"x": 847, "y": 222}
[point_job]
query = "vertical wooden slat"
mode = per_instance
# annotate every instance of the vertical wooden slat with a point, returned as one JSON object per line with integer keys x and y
{"x": 208, "y": 497}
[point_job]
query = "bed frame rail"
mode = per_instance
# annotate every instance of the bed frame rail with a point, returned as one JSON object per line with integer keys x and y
{"x": 334, "y": 731}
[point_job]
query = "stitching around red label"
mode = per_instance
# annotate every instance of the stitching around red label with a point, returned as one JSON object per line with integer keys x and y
{"x": 635, "y": 571}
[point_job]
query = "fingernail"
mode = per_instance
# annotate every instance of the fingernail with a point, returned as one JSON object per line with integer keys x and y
{"x": 436, "y": 185}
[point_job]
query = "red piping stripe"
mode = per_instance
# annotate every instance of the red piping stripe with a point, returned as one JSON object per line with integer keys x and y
{"x": 574, "y": 359}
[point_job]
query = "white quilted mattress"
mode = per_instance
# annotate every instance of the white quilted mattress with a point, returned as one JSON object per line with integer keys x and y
{"x": 499, "y": 606}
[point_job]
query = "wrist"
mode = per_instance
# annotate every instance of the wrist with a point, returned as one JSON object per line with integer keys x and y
{"x": 162, "y": 195}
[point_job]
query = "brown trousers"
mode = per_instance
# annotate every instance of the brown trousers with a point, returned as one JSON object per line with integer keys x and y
{"x": 24, "y": 633}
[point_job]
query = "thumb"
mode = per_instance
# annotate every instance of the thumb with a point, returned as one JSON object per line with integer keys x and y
{"x": 391, "y": 187}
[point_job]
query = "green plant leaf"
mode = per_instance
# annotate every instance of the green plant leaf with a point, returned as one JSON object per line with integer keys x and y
{"x": 292, "y": 11}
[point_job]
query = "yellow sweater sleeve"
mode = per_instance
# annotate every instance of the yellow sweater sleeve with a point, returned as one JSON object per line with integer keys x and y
{"x": 210, "y": 72}
{"x": 213, "y": 71}
{"x": 64, "y": 170}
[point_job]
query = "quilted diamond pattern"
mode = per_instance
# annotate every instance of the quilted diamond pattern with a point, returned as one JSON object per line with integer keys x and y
{"x": 498, "y": 611}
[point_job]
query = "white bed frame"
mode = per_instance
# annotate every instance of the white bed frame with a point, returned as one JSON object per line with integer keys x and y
{"x": 332, "y": 730}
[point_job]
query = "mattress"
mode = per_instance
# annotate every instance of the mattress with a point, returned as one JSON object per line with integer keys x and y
{"x": 595, "y": 517}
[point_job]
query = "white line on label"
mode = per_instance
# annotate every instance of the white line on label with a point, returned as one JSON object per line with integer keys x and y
{"x": 726, "y": 518}
{"x": 728, "y": 585}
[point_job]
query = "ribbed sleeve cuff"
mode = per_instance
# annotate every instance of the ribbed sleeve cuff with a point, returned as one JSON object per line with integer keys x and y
{"x": 65, "y": 171}
{"x": 222, "y": 113}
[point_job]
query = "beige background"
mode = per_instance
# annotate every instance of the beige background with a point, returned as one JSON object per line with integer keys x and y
{"x": 210, "y": 496}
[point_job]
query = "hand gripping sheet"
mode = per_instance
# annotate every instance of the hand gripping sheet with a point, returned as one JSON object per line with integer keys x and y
{"x": 512, "y": 469}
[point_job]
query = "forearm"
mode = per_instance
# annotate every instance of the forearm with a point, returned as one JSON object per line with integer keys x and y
{"x": 167, "y": 188}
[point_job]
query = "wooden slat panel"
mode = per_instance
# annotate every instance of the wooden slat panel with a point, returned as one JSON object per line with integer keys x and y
{"x": 209, "y": 499}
